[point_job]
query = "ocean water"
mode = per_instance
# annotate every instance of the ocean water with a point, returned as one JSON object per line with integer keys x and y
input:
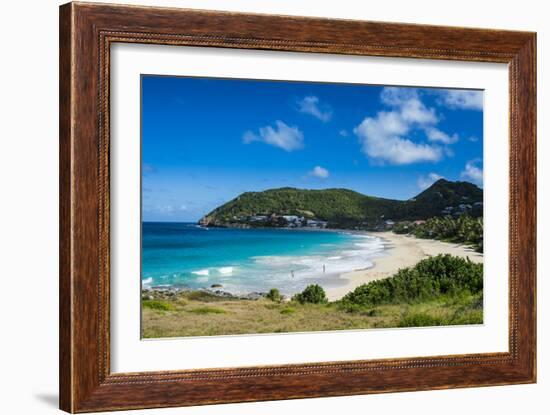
{"x": 248, "y": 260}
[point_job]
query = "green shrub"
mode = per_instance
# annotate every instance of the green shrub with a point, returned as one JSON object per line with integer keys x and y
{"x": 358, "y": 309}
{"x": 430, "y": 278}
{"x": 403, "y": 227}
{"x": 207, "y": 310}
{"x": 204, "y": 296}
{"x": 274, "y": 295}
{"x": 420, "y": 320}
{"x": 313, "y": 294}
{"x": 158, "y": 305}
{"x": 463, "y": 229}
{"x": 460, "y": 317}
{"x": 350, "y": 307}
{"x": 288, "y": 310}
{"x": 471, "y": 316}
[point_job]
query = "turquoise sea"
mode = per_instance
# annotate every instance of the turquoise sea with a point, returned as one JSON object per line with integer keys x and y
{"x": 248, "y": 260}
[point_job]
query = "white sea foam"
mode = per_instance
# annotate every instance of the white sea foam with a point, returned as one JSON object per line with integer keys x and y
{"x": 147, "y": 281}
{"x": 291, "y": 273}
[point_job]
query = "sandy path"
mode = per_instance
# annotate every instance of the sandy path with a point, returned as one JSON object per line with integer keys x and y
{"x": 402, "y": 251}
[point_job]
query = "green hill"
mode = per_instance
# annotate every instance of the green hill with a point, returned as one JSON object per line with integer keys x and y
{"x": 444, "y": 192}
{"x": 343, "y": 207}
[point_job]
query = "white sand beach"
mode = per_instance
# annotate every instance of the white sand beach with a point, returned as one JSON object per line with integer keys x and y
{"x": 402, "y": 251}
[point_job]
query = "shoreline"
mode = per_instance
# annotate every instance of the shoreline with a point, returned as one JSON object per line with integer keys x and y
{"x": 401, "y": 251}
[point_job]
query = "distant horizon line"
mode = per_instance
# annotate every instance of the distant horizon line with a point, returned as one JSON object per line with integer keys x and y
{"x": 169, "y": 221}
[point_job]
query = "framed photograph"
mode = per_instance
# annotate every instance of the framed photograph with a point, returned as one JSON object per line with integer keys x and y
{"x": 261, "y": 207}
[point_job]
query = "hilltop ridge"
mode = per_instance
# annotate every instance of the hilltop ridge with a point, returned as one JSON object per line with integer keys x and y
{"x": 343, "y": 208}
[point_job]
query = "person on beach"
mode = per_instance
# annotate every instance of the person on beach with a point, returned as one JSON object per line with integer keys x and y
{"x": 292, "y": 273}
{"x": 324, "y": 269}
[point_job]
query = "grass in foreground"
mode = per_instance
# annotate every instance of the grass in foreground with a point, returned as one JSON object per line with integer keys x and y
{"x": 197, "y": 318}
{"x": 438, "y": 291}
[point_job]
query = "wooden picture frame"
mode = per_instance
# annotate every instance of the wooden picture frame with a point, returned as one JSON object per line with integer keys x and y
{"x": 86, "y": 33}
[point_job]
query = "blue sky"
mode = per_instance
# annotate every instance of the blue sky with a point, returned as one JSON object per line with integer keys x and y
{"x": 205, "y": 140}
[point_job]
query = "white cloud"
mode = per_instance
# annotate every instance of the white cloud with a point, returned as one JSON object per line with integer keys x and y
{"x": 311, "y": 105}
{"x": 384, "y": 136}
{"x": 473, "y": 172}
{"x": 381, "y": 139}
{"x": 319, "y": 172}
{"x": 414, "y": 111}
{"x": 410, "y": 106}
{"x": 165, "y": 209}
{"x": 343, "y": 133}
{"x": 392, "y": 136}
{"x": 282, "y": 136}
{"x": 462, "y": 99}
{"x": 449, "y": 151}
{"x": 424, "y": 182}
{"x": 395, "y": 96}
{"x": 435, "y": 134}
{"x": 148, "y": 169}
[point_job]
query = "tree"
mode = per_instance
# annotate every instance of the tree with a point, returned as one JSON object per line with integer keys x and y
{"x": 312, "y": 294}
{"x": 274, "y": 295}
